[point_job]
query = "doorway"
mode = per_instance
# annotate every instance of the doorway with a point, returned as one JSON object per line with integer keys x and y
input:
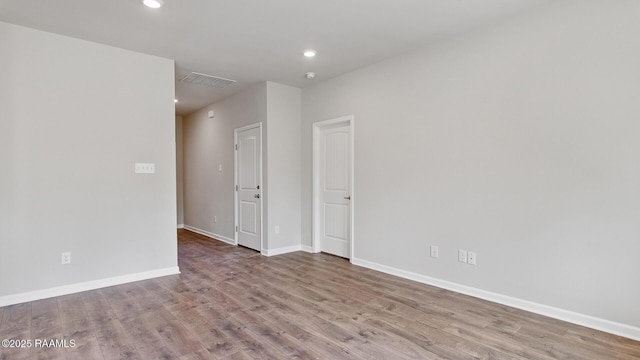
{"x": 248, "y": 191}
{"x": 333, "y": 200}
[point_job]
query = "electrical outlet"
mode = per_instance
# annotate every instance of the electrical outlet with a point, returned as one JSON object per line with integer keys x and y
{"x": 434, "y": 251}
{"x": 215, "y": 219}
{"x": 462, "y": 256}
{"x": 471, "y": 258}
{"x": 276, "y": 229}
{"x": 66, "y": 258}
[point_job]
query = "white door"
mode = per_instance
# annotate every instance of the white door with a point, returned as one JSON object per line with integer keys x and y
{"x": 248, "y": 179}
{"x": 334, "y": 189}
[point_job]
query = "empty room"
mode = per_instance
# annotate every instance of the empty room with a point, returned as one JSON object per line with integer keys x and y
{"x": 344, "y": 179}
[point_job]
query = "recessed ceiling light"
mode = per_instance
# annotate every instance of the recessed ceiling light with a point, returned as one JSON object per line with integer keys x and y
{"x": 175, "y": 100}
{"x": 152, "y": 3}
{"x": 310, "y": 53}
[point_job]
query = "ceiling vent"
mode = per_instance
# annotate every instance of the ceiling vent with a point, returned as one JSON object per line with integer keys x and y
{"x": 207, "y": 80}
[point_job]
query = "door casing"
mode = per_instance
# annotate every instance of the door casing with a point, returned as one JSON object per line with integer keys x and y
{"x": 317, "y": 132}
{"x": 236, "y": 182}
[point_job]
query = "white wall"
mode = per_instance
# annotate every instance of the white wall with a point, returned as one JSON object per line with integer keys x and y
{"x": 518, "y": 142}
{"x": 74, "y": 118}
{"x": 207, "y": 144}
{"x": 283, "y": 165}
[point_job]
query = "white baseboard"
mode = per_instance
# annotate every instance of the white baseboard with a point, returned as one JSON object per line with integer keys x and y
{"x": 308, "y": 249}
{"x": 282, "y": 250}
{"x": 211, "y": 235}
{"x": 589, "y": 321}
{"x": 180, "y": 226}
{"x": 85, "y": 286}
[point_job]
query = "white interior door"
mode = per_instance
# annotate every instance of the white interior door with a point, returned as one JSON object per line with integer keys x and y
{"x": 334, "y": 189}
{"x": 248, "y": 179}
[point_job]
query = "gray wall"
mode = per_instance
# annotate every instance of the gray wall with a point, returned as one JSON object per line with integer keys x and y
{"x": 283, "y": 164}
{"x": 518, "y": 142}
{"x": 179, "y": 173}
{"x": 74, "y": 118}
{"x": 208, "y": 143}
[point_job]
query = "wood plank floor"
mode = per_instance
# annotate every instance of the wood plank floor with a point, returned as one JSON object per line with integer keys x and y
{"x": 233, "y": 303}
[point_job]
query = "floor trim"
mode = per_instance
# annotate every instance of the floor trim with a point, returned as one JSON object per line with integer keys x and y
{"x": 208, "y": 234}
{"x": 608, "y": 326}
{"x": 85, "y": 286}
{"x": 265, "y": 252}
{"x": 282, "y": 250}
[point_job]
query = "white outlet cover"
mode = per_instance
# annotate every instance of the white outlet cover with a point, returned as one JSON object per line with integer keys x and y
{"x": 471, "y": 258}
{"x": 462, "y": 256}
{"x": 434, "y": 251}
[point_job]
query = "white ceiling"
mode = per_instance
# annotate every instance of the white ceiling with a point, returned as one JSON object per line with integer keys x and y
{"x": 259, "y": 40}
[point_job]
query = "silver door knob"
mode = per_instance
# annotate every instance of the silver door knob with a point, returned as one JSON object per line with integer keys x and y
{"x": 257, "y": 196}
{"x": 347, "y": 197}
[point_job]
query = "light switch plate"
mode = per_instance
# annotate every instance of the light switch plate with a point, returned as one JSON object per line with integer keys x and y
{"x": 145, "y": 168}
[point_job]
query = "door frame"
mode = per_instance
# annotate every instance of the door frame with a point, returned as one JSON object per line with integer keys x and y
{"x": 235, "y": 183}
{"x": 318, "y": 127}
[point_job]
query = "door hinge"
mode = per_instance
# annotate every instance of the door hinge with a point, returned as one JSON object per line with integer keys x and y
{"x": 258, "y": 187}
{"x": 236, "y": 147}
{"x": 236, "y": 187}
{"x": 236, "y": 228}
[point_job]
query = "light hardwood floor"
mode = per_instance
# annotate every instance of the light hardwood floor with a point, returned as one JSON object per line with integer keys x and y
{"x": 233, "y": 303}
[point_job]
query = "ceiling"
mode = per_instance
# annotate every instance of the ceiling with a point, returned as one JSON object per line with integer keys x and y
{"x": 259, "y": 40}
